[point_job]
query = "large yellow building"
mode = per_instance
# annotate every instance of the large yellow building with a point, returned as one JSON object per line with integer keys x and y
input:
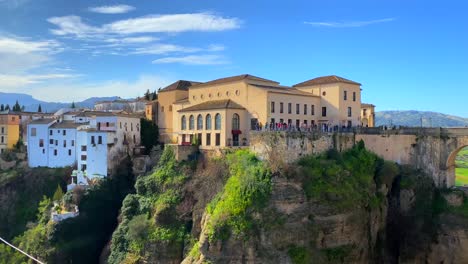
{"x": 221, "y": 112}
{"x": 9, "y": 131}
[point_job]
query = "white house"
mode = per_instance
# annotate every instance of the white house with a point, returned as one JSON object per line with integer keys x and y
{"x": 93, "y": 142}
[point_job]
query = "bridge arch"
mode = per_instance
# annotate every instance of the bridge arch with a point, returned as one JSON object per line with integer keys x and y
{"x": 451, "y": 175}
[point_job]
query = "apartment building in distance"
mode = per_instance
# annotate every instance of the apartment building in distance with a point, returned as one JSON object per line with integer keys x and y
{"x": 9, "y": 131}
{"x": 92, "y": 141}
{"x": 221, "y": 112}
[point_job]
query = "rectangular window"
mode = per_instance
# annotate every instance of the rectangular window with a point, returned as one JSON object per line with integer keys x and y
{"x": 281, "y": 121}
{"x": 99, "y": 139}
{"x": 83, "y": 157}
{"x": 272, "y": 121}
{"x": 297, "y": 109}
{"x": 51, "y": 141}
{"x": 64, "y": 132}
{"x": 305, "y": 122}
{"x": 253, "y": 123}
{"x": 69, "y": 152}
{"x": 349, "y": 111}
{"x": 312, "y": 109}
{"x": 289, "y": 121}
{"x": 3, "y": 130}
{"x": 33, "y": 132}
{"x": 272, "y": 107}
{"x": 56, "y": 142}
{"x": 289, "y": 108}
{"x": 281, "y": 108}
{"x": 324, "y": 111}
{"x": 51, "y": 132}
{"x": 41, "y": 143}
{"x": 55, "y": 152}
{"x": 208, "y": 139}
{"x": 93, "y": 142}
{"x": 345, "y": 95}
{"x": 298, "y": 122}
{"x": 107, "y": 124}
{"x": 354, "y": 96}
{"x": 83, "y": 148}
{"x": 305, "y": 109}
{"x": 73, "y": 143}
{"x": 218, "y": 139}
{"x": 83, "y": 167}
{"x": 64, "y": 143}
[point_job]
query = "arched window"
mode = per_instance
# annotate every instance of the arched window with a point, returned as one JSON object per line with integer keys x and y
{"x": 218, "y": 122}
{"x": 199, "y": 122}
{"x": 191, "y": 122}
{"x": 208, "y": 122}
{"x": 235, "y": 122}
{"x": 183, "y": 124}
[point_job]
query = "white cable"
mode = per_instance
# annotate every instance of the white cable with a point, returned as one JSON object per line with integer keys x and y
{"x": 21, "y": 251}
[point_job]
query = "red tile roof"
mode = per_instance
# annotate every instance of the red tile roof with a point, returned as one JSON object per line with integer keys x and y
{"x": 235, "y": 79}
{"x": 179, "y": 85}
{"x": 325, "y": 80}
{"x": 210, "y": 105}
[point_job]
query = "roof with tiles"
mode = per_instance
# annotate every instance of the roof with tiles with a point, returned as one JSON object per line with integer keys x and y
{"x": 235, "y": 79}
{"x": 325, "y": 80}
{"x": 180, "y": 85}
{"x": 42, "y": 121}
{"x": 211, "y": 105}
{"x": 284, "y": 90}
{"x": 67, "y": 124}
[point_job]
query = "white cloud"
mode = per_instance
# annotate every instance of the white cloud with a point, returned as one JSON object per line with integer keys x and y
{"x": 115, "y": 9}
{"x": 349, "y": 23}
{"x": 13, "y": 81}
{"x": 193, "y": 60}
{"x": 164, "y": 49}
{"x": 173, "y": 23}
{"x": 66, "y": 92}
{"x": 21, "y": 46}
{"x": 132, "y": 40}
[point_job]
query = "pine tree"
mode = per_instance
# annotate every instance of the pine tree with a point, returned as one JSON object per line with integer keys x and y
{"x": 147, "y": 95}
{"x": 16, "y": 107}
{"x": 73, "y": 105}
{"x": 58, "y": 194}
{"x": 39, "y": 109}
{"x": 22, "y": 108}
{"x": 2, "y": 107}
{"x": 7, "y": 107}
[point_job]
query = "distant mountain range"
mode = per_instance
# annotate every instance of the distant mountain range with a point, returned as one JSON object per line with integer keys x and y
{"x": 31, "y": 104}
{"x": 413, "y": 118}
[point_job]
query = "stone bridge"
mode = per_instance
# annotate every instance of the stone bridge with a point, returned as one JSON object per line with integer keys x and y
{"x": 433, "y": 150}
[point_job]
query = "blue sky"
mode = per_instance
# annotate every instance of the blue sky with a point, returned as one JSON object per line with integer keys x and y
{"x": 407, "y": 54}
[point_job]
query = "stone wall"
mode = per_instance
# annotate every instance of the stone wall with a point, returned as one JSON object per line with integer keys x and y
{"x": 183, "y": 152}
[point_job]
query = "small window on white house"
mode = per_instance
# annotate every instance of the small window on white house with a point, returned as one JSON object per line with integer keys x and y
{"x": 33, "y": 132}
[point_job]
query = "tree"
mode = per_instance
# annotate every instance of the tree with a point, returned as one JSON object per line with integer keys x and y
{"x": 2, "y": 107}
{"x": 147, "y": 95}
{"x": 17, "y": 107}
{"x": 73, "y": 105}
{"x": 154, "y": 96}
{"x": 22, "y": 108}
{"x": 58, "y": 194}
{"x": 39, "y": 109}
{"x": 149, "y": 134}
{"x": 7, "y": 107}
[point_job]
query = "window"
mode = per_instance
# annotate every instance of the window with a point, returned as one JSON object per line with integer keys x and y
{"x": 99, "y": 139}
{"x": 272, "y": 121}
{"x": 64, "y": 132}
{"x": 64, "y": 143}
{"x": 73, "y": 143}
{"x": 83, "y": 157}
{"x": 237, "y": 92}
{"x": 183, "y": 123}
{"x": 281, "y": 121}
{"x": 131, "y": 126}
{"x": 134, "y": 139}
{"x": 218, "y": 122}
{"x": 93, "y": 142}
{"x": 3, "y": 140}
{"x": 170, "y": 108}
{"x": 272, "y": 107}
{"x": 354, "y": 96}
{"x": 235, "y": 122}
{"x": 69, "y": 152}
{"x": 324, "y": 111}
{"x": 191, "y": 122}
{"x": 305, "y": 109}
{"x": 364, "y": 112}
{"x": 312, "y": 109}
{"x": 83, "y": 167}
{"x": 51, "y": 132}
{"x": 281, "y": 108}
{"x": 289, "y": 108}
{"x": 162, "y": 109}
{"x": 297, "y": 109}
{"x": 56, "y": 142}
{"x": 345, "y": 95}
{"x": 3, "y": 130}
{"x": 41, "y": 143}
{"x": 199, "y": 122}
{"x": 289, "y": 121}
{"x": 55, "y": 152}
{"x": 253, "y": 123}
{"x": 51, "y": 141}
{"x": 324, "y": 93}
{"x": 83, "y": 148}
{"x": 305, "y": 122}
{"x": 298, "y": 122}
{"x": 218, "y": 139}
{"x": 349, "y": 112}
{"x": 208, "y": 122}
{"x": 33, "y": 132}
{"x": 107, "y": 124}
{"x": 43, "y": 151}
{"x": 208, "y": 139}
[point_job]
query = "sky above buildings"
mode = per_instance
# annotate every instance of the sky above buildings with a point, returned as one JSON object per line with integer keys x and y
{"x": 407, "y": 54}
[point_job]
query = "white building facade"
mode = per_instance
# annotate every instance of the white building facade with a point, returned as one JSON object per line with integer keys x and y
{"x": 93, "y": 142}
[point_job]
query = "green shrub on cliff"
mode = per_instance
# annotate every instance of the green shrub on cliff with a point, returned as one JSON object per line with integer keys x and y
{"x": 248, "y": 188}
{"x": 340, "y": 180}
